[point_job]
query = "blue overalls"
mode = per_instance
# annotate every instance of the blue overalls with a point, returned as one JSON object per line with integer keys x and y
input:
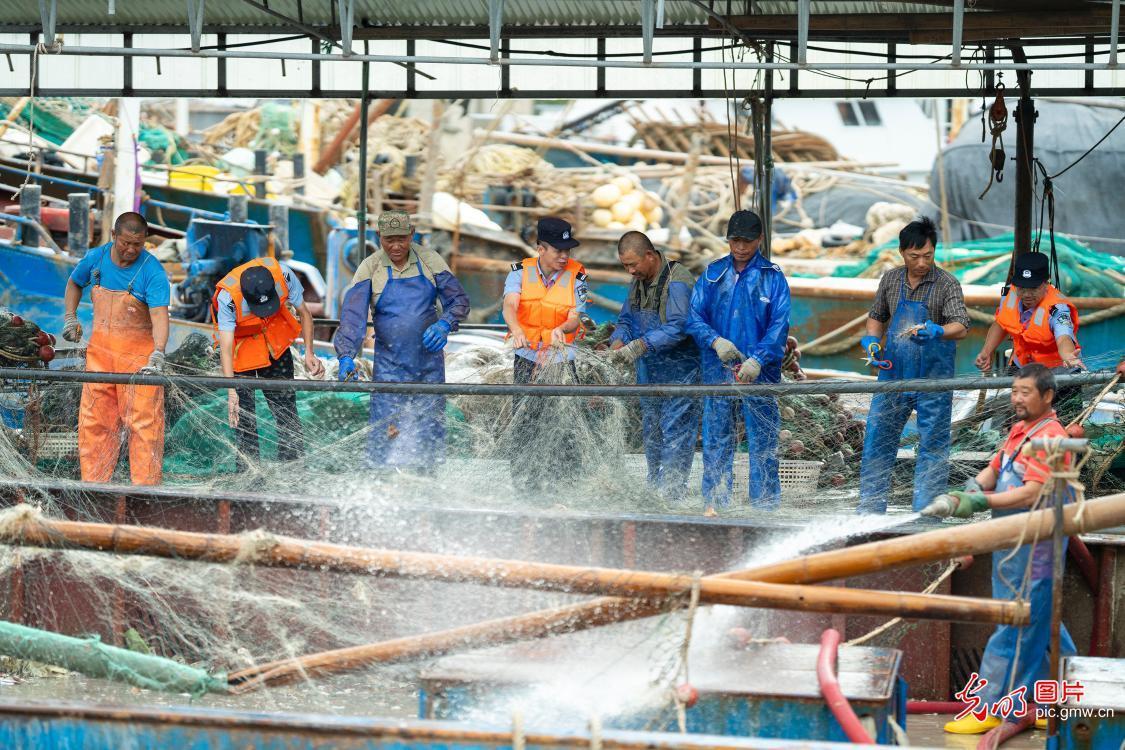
{"x": 1019, "y": 656}
{"x": 890, "y": 412}
{"x": 406, "y": 430}
{"x": 669, "y": 426}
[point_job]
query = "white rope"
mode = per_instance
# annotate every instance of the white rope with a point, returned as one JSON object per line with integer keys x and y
{"x": 40, "y": 49}
{"x": 685, "y": 647}
{"x": 891, "y": 623}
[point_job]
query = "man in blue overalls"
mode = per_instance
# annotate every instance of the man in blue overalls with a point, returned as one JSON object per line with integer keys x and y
{"x": 920, "y": 309}
{"x": 1016, "y": 657}
{"x": 740, "y": 320}
{"x": 651, "y": 333}
{"x": 399, "y": 287}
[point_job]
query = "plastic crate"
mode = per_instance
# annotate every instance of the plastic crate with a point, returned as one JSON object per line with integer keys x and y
{"x": 58, "y": 445}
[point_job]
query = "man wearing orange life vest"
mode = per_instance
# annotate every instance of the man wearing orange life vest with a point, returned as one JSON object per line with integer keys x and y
{"x": 129, "y": 291}
{"x": 543, "y": 298}
{"x": 255, "y": 330}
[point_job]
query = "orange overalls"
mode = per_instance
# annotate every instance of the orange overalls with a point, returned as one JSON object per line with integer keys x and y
{"x": 121, "y": 341}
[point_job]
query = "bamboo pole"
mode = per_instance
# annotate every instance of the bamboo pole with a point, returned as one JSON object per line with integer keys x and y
{"x": 874, "y": 557}
{"x": 13, "y": 114}
{"x": 287, "y": 552}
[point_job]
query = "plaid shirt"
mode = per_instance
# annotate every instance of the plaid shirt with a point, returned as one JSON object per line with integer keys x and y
{"x": 940, "y": 290}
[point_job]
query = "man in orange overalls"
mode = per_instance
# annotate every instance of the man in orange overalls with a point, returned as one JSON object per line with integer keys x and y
{"x": 253, "y": 314}
{"x": 129, "y": 291}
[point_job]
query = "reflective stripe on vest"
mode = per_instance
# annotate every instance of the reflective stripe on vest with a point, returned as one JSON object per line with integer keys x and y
{"x": 257, "y": 341}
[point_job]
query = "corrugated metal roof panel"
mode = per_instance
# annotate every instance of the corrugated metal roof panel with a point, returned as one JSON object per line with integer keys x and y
{"x": 564, "y": 13}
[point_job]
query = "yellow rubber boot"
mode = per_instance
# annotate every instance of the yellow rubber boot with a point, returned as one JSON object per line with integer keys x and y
{"x": 972, "y": 725}
{"x": 1040, "y": 723}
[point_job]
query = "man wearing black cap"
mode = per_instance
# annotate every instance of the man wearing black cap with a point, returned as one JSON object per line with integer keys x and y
{"x": 255, "y": 330}
{"x": 740, "y": 320}
{"x": 543, "y": 298}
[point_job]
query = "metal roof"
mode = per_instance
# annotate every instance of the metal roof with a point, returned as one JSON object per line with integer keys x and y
{"x": 260, "y": 15}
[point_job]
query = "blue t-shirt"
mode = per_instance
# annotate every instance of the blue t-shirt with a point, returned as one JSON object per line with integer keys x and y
{"x": 513, "y": 284}
{"x": 145, "y": 278}
{"x": 227, "y": 319}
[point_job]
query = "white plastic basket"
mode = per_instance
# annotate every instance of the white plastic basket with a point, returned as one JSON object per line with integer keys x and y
{"x": 58, "y": 445}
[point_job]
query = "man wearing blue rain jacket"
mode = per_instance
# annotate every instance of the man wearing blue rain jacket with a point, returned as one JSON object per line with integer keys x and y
{"x": 740, "y": 320}
{"x": 1017, "y": 657}
{"x": 398, "y": 288}
{"x": 651, "y": 333}
{"x": 920, "y": 309}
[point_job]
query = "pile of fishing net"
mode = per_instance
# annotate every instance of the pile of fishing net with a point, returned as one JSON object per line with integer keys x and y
{"x": 23, "y": 343}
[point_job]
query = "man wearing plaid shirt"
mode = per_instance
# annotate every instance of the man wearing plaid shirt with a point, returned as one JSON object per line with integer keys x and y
{"x": 920, "y": 311}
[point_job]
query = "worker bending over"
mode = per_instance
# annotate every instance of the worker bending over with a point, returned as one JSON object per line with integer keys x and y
{"x": 1042, "y": 323}
{"x": 129, "y": 291}
{"x": 651, "y": 333}
{"x": 740, "y": 320}
{"x": 255, "y": 330}
{"x": 399, "y": 289}
{"x": 919, "y": 309}
{"x": 1015, "y": 657}
{"x": 543, "y": 297}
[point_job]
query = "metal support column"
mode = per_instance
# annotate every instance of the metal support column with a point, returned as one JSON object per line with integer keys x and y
{"x": 260, "y": 171}
{"x": 1114, "y": 27}
{"x": 48, "y": 14}
{"x": 648, "y": 28}
{"x": 195, "y": 22}
{"x": 346, "y": 12}
{"x": 958, "y": 29}
{"x": 1025, "y": 153}
{"x": 766, "y": 200}
{"x": 299, "y": 173}
{"x": 238, "y": 206}
{"x": 78, "y": 234}
{"x": 804, "y": 9}
{"x": 279, "y": 219}
{"x": 364, "y": 101}
{"x": 495, "y": 23}
{"x": 30, "y": 196}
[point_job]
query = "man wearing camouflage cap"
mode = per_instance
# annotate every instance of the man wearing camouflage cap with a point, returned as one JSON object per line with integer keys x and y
{"x": 398, "y": 289}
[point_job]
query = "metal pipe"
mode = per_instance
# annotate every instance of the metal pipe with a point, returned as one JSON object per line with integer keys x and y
{"x": 238, "y": 206}
{"x": 279, "y": 220}
{"x": 260, "y": 170}
{"x": 49, "y": 178}
{"x": 186, "y": 209}
{"x": 920, "y": 385}
{"x": 240, "y": 54}
{"x": 958, "y": 30}
{"x": 1114, "y": 27}
{"x": 364, "y": 102}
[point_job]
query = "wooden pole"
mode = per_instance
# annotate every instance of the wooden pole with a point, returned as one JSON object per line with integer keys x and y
{"x": 287, "y": 552}
{"x": 429, "y": 175}
{"x": 13, "y": 114}
{"x": 683, "y": 195}
{"x": 874, "y": 557}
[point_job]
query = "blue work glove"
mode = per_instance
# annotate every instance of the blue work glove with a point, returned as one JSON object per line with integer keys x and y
{"x": 871, "y": 345}
{"x": 930, "y": 331}
{"x": 435, "y": 336}
{"x": 347, "y": 369}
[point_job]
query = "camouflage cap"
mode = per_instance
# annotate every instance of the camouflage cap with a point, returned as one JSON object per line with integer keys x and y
{"x": 394, "y": 223}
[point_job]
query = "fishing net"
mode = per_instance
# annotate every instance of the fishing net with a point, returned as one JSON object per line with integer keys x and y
{"x": 223, "y": 618}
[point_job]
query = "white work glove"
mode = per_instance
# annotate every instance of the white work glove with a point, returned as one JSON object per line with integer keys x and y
{"x": 155, "y": 364}
{"x": 726, "y": 350}
{"x": 749, "y": 371}
{"x": 72, "y": 329}
{"x": 629, "y": 353}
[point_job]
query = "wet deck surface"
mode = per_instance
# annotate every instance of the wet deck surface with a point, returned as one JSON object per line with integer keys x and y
{"x": 925, "y": 730}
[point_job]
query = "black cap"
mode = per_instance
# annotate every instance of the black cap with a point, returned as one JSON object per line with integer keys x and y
{"x": 556, "y": 233}
{"x": 1031, "y": 270}
{"x": 260, "y": 291}
{"x": 745, "y": 225}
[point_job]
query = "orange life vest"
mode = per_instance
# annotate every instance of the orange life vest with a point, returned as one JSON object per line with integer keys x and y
{"x": 1035, "y": 343}
{"x": 541, "y": 309}
{"x": 257, "y": 340}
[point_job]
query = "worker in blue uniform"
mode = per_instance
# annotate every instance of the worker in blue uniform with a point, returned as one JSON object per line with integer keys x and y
{"x": 920, "y": 310}
{"x": 740, "y": 320}
{"x": 1015, "y": 657}
{"x": 398, "y": 289}
{"x": 651, "y": 334}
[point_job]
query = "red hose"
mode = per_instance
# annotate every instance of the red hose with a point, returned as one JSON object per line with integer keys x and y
{"x": 1084, "y": 559}
{"x": 830, "y": 689}
{"x": 934, "y": 707}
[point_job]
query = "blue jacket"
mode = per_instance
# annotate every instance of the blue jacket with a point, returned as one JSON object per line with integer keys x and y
{"x": 672, "y": 356}
{"x": 751, "y": 309}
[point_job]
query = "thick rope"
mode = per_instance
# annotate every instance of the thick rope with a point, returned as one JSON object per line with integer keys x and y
{"x": 891, "y": 623}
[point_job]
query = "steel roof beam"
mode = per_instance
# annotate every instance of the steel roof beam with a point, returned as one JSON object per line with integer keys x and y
{"x": 195, "y": 22}
{"x": 958, "y": 29}
{"x": 1114, "y": 25}
{"x": 48, "y": 14}
{"x": 495, "y": 24}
